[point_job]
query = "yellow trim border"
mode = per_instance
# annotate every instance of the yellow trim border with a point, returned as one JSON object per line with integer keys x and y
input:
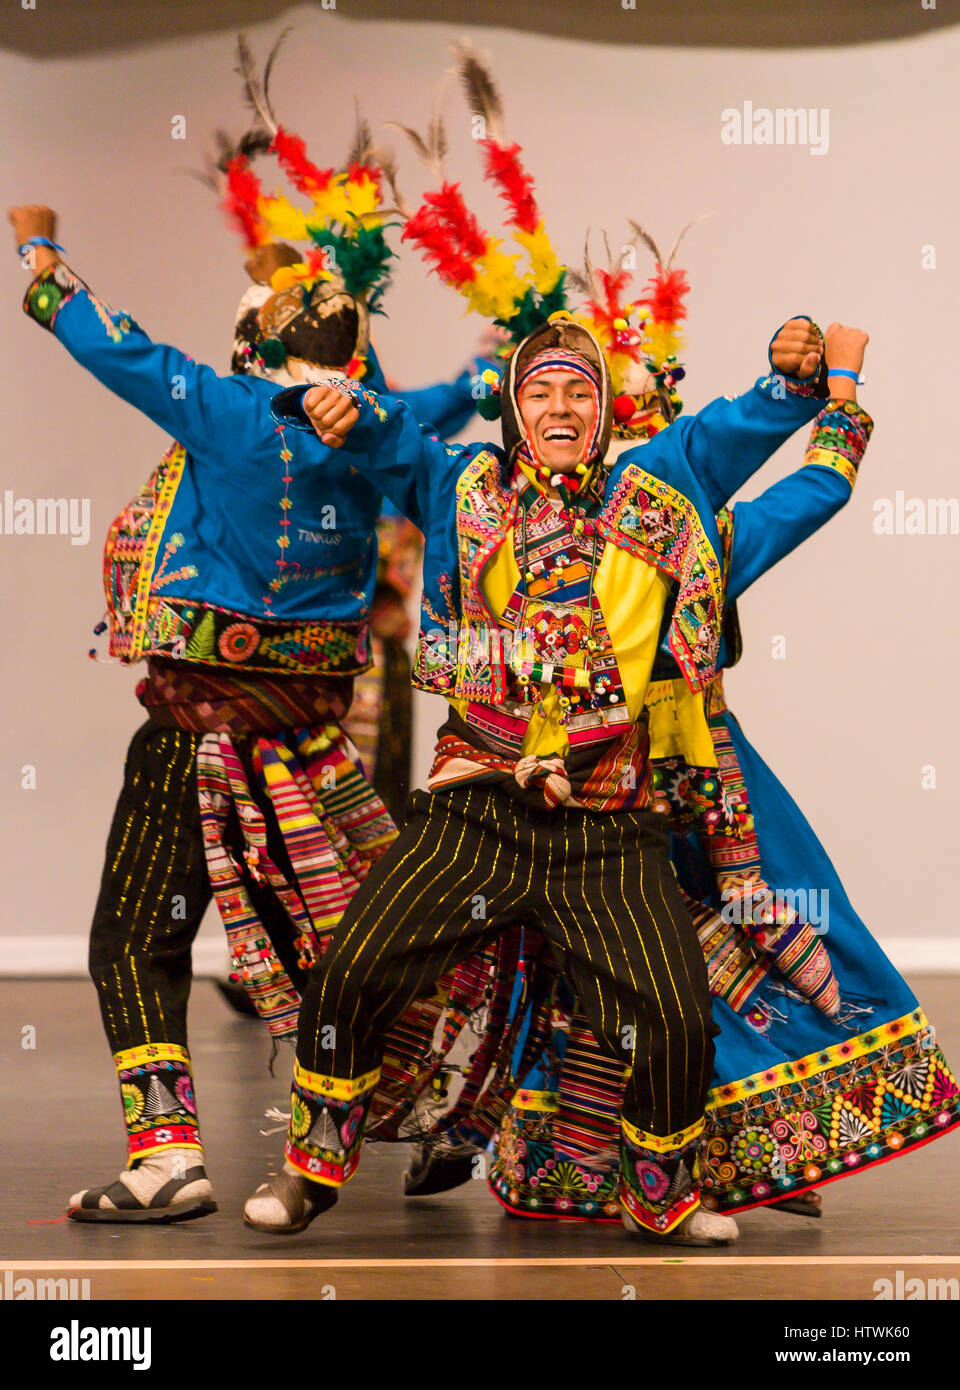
{"x": 152, "y": 1052}
{"x": 829, "y": 458}
{"x": 335, "y": 1087}
{"x": 816, "y": 1062}
{"x": 663, "y": 1143}
{"x": 148, "y": 563}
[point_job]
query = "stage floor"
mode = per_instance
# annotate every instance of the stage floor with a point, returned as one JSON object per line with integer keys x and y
{"x": 61, "y": 1130}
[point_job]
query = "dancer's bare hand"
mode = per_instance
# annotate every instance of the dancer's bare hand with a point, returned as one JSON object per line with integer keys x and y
{"x": 32, "y": 219}
{"x": 797, "y": 349}
{"x": 332, "y": 414}
{"x": 845, "y": 347}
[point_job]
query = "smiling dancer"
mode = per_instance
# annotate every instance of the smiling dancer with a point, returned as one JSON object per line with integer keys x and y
{"x": 548, "y": 580}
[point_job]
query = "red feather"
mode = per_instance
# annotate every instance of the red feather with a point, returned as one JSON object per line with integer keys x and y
{"x": 448, "y": 205}
{"x": 664, "y": 294}
{"x": 622, "y": 339}
{"x": 292, "y": 155}
{"x": 502, "y": 166}
{"x": 242, "y": 199}
{"x": 364, "y": 173}
{"x": 438, "y": 245}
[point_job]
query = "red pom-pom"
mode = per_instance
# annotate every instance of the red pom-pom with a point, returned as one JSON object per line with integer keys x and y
{"x": 624, "y": 409}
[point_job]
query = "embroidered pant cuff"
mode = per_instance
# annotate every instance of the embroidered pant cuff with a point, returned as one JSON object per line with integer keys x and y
{"x": 156, "y": 1091}
{"x": 327, "y": 1115}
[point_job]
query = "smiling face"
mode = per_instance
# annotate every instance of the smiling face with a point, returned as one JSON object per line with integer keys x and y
{"x": 559, "y": 413}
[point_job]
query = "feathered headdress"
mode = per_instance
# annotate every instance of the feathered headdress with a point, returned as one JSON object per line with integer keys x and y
{"x": 342, "y": 224}
{"x": 640, "y": 339}
{"x": 639, "y": 334}
{"x": 450, "y": 238}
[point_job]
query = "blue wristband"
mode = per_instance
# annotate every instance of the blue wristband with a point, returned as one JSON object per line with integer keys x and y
{"x": 843, "y": 371}
{"x": 40, "y": 241}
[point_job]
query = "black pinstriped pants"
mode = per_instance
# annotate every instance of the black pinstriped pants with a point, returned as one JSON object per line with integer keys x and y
{"x": 468, "y": 863}
{"x": 154, "y": 891}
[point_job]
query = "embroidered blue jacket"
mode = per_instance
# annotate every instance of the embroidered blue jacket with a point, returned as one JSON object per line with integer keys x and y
{"x": 660, "y": 503}
{"x": 238, "y": 550}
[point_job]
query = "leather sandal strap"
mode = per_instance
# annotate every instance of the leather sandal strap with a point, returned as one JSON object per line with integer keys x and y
{"x": 163, "y": 1197}
{"x": 118, "y": 1193}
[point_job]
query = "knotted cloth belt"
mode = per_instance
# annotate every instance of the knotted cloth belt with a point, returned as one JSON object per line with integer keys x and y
{"x": 456, "y": 762}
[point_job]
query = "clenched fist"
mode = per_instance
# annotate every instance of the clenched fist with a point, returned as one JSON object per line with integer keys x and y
{"x": 797, "y": 349}
{"x": 845, "y": 347}
{"x": 30, "y": 220}
{"x": 332, "y": 414}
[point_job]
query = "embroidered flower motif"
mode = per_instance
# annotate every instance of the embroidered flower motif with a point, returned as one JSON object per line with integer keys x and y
{"x": 654, "y": 1182}
{"x": 238, "y": 641}
{"x": 44, "y": 300}
{"x": 754, "y": 1149}
{"x": 299, "y": 1117}
{"x": 132, "y": 1098}
{"x": 351, "y": 1125}
{"x": 184, "y": 1094}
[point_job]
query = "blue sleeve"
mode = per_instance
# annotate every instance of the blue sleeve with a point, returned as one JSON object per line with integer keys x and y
{"x": 730, "y": 439}
{"x": 446, "y": 407}
{"x": 188, "y": 401}
{"x": 414, "y": 470}
{"x": 770, "y": 526}
{"x": 449, "y": 406}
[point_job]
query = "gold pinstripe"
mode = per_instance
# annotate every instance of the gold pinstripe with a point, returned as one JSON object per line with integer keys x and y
{"x": 701, "y": 1086}
{"x": 500, "y": 913}
{"x": 341, "y": 945}
{"x": 525, "y": 891}
{"x": 570, "y": 916}
{"x": 653, "y": 1094}
{"x": 626, "y": 959}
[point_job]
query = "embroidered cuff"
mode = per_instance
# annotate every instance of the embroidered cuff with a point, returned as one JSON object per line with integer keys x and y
{"x": 48, "y": 293}
{"x": 360, "y": 396}
{"x": 839, "y": 437}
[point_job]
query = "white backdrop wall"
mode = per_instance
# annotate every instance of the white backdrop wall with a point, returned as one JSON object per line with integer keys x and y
{"x": 863, "y": 701}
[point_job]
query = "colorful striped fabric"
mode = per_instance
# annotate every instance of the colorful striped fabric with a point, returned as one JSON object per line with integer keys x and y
{"x": 333, "y": 826}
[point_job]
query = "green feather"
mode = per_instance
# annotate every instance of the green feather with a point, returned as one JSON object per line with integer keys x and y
{"x": 362, "y": 256}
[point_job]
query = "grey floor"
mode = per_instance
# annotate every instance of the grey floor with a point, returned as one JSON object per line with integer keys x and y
{"x": 61, "y": 1130}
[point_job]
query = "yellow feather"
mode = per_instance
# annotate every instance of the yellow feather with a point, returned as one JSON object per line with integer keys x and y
{"x": 284, "y": 220}
{"x": 660, "y": 340}
{"x": 545, "y": 268}
{"x": 497, "y": 288}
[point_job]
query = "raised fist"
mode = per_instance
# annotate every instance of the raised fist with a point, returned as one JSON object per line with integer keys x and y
{"x": 32, "y": 220}
{"x": 845, "y": 347}
{"x": 797, "y": 349}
